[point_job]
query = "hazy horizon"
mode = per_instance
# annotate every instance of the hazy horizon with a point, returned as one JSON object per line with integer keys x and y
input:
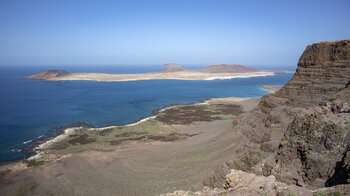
{"x": 156, "y": 67}
{"x": 252, "y": 33}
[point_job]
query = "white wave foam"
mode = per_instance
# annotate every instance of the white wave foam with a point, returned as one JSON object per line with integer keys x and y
{"x": 26, "y": 142}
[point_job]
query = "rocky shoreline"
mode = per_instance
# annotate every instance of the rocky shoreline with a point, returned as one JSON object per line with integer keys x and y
{"x": 40, "y": 145}
{"x": 177, "y": 131}
{"x": 35, "y": 151}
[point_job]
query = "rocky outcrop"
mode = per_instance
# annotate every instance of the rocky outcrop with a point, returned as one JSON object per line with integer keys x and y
{"x": 242, "y": 183}
{"x": 300, "y": 134}
{"x": 341, "y": 174}
{"x": 313, "y": 147}
{"x": 49, "y": 74}
{"x": 323, "y": 69}
{"x": 313, "y": 150}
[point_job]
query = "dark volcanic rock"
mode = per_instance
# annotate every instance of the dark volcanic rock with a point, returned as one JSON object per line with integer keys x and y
{"x": 323, "y": 69}
{"x": 341, "y": 171}
{"x": 303, "y": 129}
{"x": 49, "y": 74}
{"x": 314, "y": 147}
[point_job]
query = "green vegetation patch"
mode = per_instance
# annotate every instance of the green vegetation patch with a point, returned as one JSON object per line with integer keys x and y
{"x": 291, "y": 194}
{"x": 156, "y": 137}
{"x": 319, "y": 193}
{"x": 336, "y": 130}
{"x": 336, "y": 193}
{"x": 33, "y": 163}
{"x": 89, "y": 138}
{"x": 150, "y": 130}
{"x": 147, "y": 131}
{"x": 82, "y": 139}
{"x": 281, "y": 143}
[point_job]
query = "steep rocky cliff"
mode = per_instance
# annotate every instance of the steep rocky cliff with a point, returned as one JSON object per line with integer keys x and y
{"x": 301, "y": 133}
{"x": 315, "y": 148}
{"x": 316, "y": 143}
{"x": 323, "y": 69}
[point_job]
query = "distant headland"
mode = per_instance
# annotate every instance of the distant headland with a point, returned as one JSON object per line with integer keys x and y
{"x": 172, "y": 71}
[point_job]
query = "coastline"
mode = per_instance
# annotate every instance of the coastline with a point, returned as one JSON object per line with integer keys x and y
{"x": 271, "y": 88}
{"x": 16, "y": 150}
{"x": 189, "y": 75}
{"x": 40, "y": 144}
{"x": 150, "y": 146}
{"x": 40, "y": 149}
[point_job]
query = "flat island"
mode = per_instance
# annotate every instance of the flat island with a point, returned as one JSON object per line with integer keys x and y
{"x": 172, "y": 71}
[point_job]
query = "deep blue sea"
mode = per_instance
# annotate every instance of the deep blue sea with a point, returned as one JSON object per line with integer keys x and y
{"x": 33, "y": 109}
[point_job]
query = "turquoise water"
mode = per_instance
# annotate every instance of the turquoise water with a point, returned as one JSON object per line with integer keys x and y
{"x": 33, "y": 109}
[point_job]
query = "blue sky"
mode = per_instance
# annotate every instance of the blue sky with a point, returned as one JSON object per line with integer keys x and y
{"x": 101, "y": 32}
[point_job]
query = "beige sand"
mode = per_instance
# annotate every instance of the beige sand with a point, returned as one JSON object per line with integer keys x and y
{"x": 185, "y": 75}
{"x": 271, "y": 88}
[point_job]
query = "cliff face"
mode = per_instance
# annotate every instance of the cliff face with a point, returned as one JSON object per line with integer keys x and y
{"x": 323, "y": 69}
{"x": 315, "y": 145}
{"x": 49, "y": 74}
{"x": 301, "y": 133}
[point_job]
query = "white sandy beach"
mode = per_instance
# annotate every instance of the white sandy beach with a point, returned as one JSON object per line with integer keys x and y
{"x": 58, "y": 138}
{"x": 186, "y": 75}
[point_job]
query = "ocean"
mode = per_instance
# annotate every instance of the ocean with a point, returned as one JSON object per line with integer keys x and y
{"x": 33, "y": 109}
